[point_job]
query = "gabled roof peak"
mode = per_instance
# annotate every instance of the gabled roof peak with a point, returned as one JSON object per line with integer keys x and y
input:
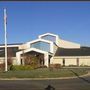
{"x": 48, "y": 34}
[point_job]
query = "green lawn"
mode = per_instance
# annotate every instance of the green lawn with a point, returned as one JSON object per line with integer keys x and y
{"x": 43, "y": 73}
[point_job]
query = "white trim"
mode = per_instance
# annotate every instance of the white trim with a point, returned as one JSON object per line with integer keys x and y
{"x": 34, "y": 49}
{"x": 37, "y": 40}
{"x": 18, "y": 54}
{"x": 31, "y": 49}
{"x": 51, "y": 48}
{"x": 46, "y": 58}
{"x": 10, "y": 46}
{"x": 39, "y": 37}
{"x": 47, "y": 34}
{"x": 71, "y": 56}
{"x": 57, "y": 37}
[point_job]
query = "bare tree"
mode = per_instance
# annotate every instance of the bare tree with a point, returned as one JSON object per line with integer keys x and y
{"x": 31, "y": 60}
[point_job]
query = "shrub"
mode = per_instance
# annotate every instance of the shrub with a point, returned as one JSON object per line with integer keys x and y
{"x": 54, "y": 66}
{"x": 42, "y": 66}
{"x": 51, "y": 66}
{"x": 84, "y": 66}
{"x": 20, "y": 67}
{"x": 72, "y": 65}
{"x": 57, "y": 66}
{"x": 2, "y": 66}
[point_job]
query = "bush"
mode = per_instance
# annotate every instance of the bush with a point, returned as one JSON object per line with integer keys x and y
{"x": 54, "y": 66}
{"x": 2, "y": 66}
{"x": 84, "y": 66}
{"x": 20, "y": 67}
{"x": 42, "y": 66}
{"x": 57, "y": 66}
{"x": 72, "y": 65}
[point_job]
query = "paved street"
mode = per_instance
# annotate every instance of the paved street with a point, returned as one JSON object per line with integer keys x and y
{"x": 61, "y": 84}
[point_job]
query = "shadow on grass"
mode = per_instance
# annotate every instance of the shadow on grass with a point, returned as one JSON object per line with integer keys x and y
{"x": 49, "y": 87}
{"x": 85, "y": 80}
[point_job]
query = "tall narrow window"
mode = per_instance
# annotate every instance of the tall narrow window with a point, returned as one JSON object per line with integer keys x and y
{"x": 63, "y": 61}
{"x": 77, "y": 61}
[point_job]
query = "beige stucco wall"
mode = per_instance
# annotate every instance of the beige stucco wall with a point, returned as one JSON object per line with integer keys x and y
{"x": 2, "y": 60}
{"x": 13, "y": 58}
{"x": 24, "y": 46}
{"x": 14, "y": 61}
{"x": 84, "y": 61}
{"x": 71, "y": 60}
{"x": 56, "y": 60}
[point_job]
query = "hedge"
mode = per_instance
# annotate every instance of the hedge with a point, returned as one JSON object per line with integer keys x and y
{"x": 21, "y": 67}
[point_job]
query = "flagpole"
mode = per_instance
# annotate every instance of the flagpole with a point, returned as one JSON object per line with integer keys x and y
{"x": 5, "y": 39}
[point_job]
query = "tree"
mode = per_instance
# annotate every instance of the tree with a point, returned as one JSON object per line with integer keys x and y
{"x": 31, "y": 60}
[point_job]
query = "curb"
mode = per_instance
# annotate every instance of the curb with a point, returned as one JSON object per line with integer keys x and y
{"x": 37, "y": 78}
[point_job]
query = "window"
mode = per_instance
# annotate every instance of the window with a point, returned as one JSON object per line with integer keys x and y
{"x": 41, "y": 45}
{"x": 49, "y": 37}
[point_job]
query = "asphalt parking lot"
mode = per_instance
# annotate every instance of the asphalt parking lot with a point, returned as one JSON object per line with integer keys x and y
{"x": 79, "y": 83}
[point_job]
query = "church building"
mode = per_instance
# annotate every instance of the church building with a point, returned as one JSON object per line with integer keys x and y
{"x": 50, "y": 49}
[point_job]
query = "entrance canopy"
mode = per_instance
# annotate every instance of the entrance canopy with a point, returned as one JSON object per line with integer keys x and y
{"x": 46, "y": 54}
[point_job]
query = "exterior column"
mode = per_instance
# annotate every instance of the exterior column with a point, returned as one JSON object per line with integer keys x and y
{"x": 18, "y": 58}
{"x": 46, "y": 58}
